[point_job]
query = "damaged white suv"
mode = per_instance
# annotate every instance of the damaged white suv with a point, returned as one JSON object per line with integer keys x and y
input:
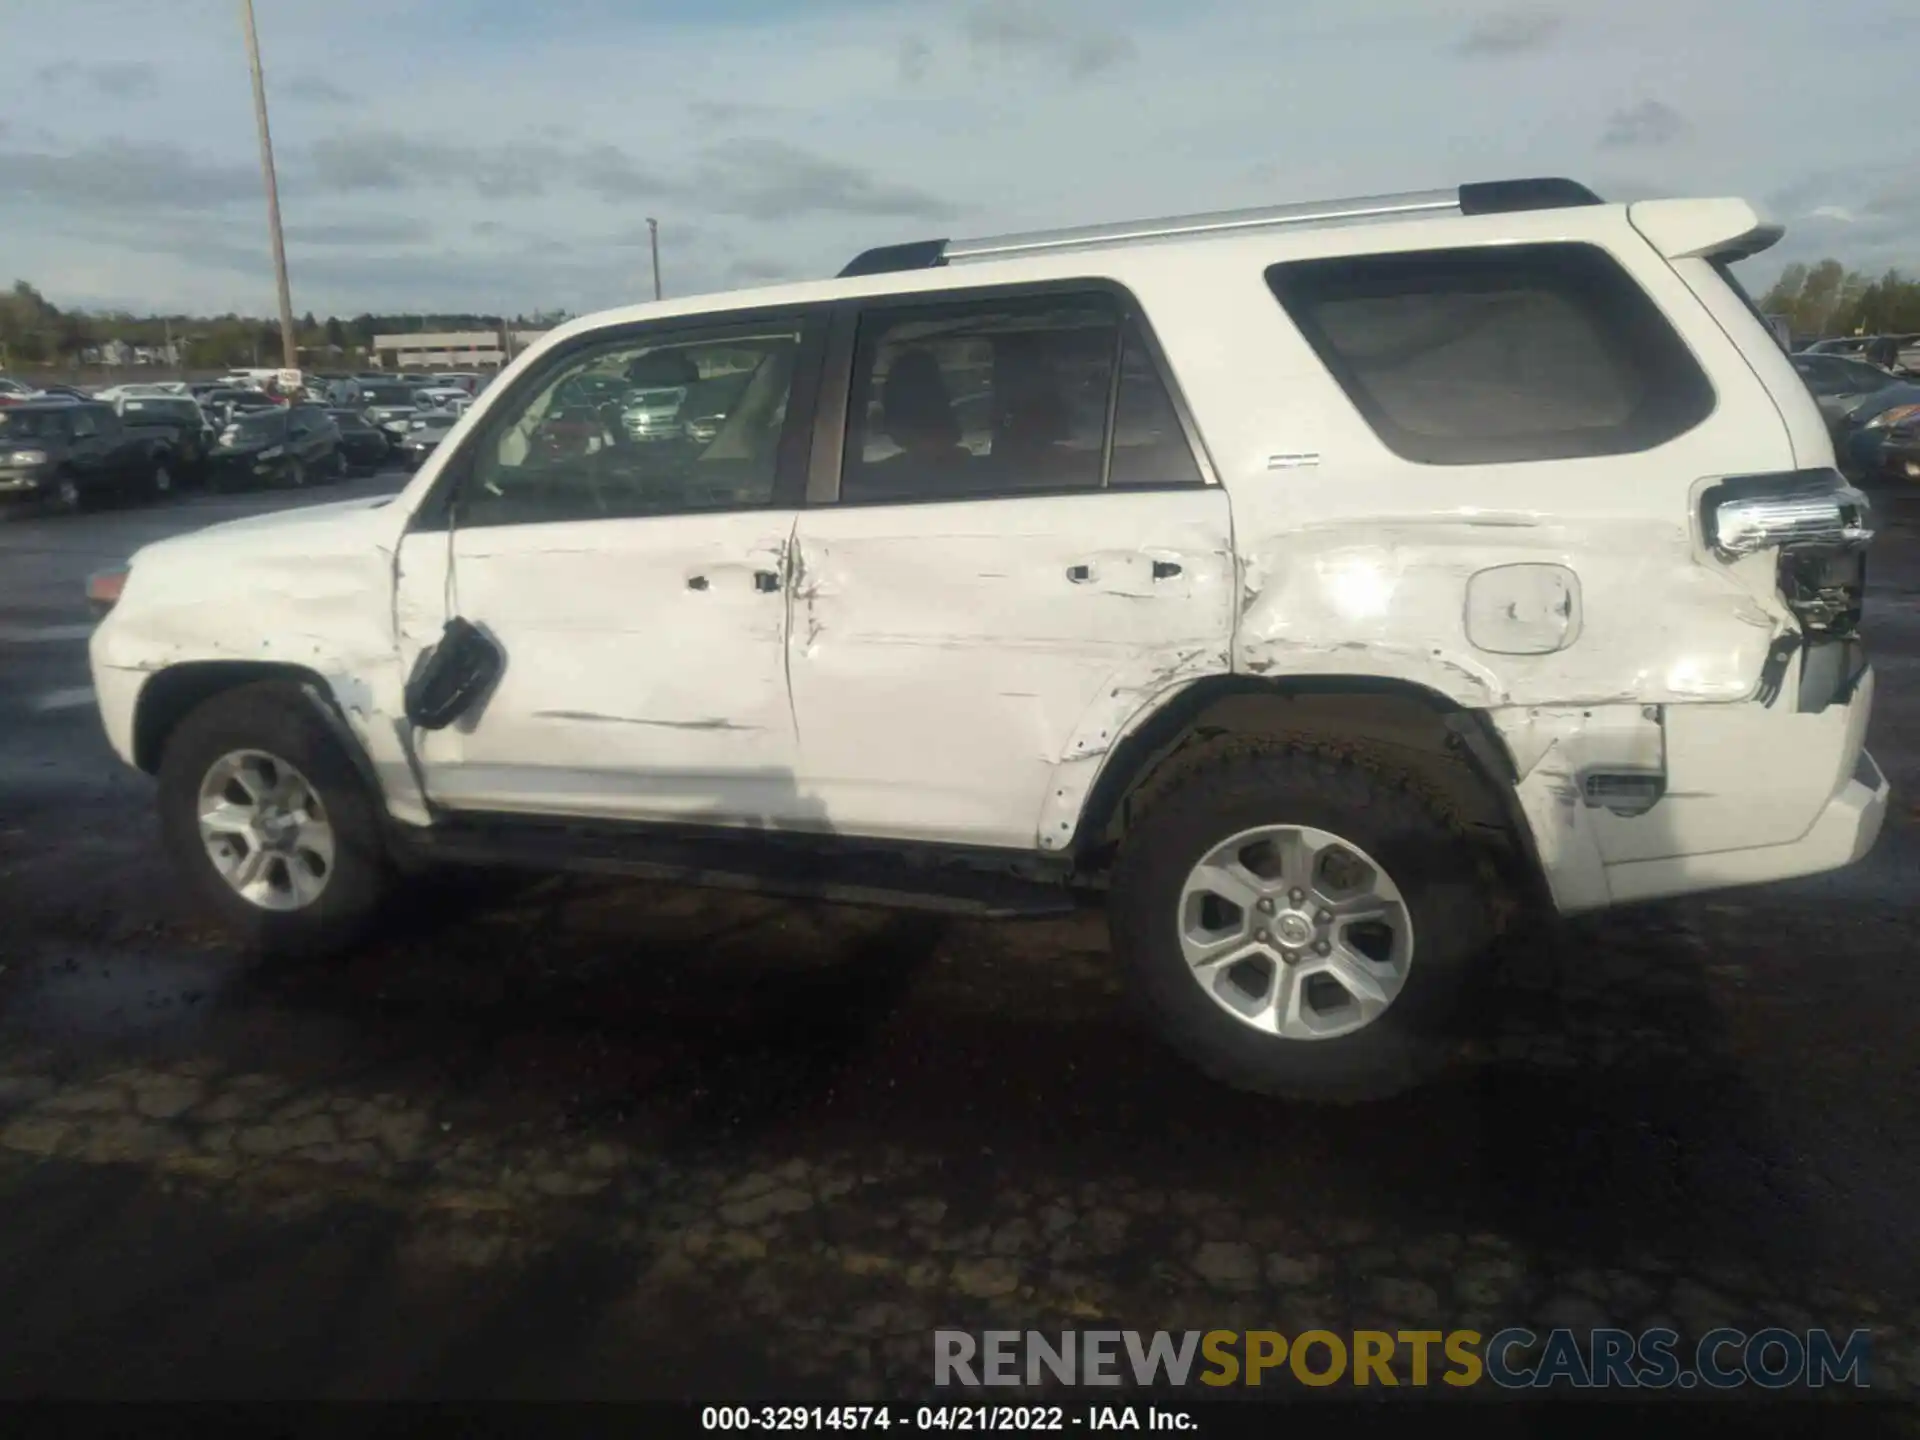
{"x": 1327, "y": 585}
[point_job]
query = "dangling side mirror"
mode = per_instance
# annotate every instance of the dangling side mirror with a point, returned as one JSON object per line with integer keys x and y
{"x": 453, "y": 676}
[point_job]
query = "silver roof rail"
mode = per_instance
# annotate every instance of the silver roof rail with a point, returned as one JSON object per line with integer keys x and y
{"x": 1368, "y": 207}
{"x": 1491, "y": 197}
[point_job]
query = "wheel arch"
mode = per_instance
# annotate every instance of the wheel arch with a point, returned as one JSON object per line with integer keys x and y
{"x": 175, "y": 692}
{"x": 1449, "y": 751}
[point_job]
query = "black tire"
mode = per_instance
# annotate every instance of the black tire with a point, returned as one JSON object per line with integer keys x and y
{"x": 1448, "y": 901}
{"x": 276, "y": 717}
{"x": 296, "y": 475}
{"x": 161, "y": 481}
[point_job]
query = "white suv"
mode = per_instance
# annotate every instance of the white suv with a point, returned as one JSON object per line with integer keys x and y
{"x": 1327, "y": 585}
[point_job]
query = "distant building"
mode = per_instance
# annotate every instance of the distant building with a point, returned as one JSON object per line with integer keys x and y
{"x": 448, "y": 349}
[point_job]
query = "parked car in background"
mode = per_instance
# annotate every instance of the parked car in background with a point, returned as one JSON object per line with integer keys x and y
{"x": 177, "y": 418}
{"x": 292, "y": 445}
{"x": 1898, "y": 352}
{"x": 226, "y": 404}
{"x": 424, "y": 435}
{"x": 439, "y": 397}
{"x": 12, "y": 392}
{"x": 1892, "y": 452}
{"x": 389, "y": 404}
{"x": 709, "y": 403}
{"x": 1840, "y": 385}
{"x": 465, "y": 381}
{"x": 1837, "y": 345}
{"x": 77, "y": 454}
{"x": 363, "y": 445}
{"x": 1881, "y": 446}
{"x": 66, "y": 392}
{"x": 1860, "y": 403}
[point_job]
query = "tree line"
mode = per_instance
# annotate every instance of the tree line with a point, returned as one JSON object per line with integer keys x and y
{"x": 1829, "y": 299}
{"x": 34, "y": 332}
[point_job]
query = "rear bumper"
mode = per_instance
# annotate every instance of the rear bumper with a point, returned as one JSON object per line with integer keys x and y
{"x": 1748, "y": 793}
{"x": 1845, "y": 831}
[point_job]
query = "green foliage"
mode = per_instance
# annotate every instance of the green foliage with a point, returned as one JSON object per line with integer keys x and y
{"x": 1828, "y": 299}
{"x": 36, "y": 333}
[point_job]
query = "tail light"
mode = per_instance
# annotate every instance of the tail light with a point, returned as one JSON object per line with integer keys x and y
{"x": 1820, "y": 527}
{"x": 1800, "y": 509}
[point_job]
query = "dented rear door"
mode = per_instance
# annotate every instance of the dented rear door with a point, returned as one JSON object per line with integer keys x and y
{"x": 992, "y": 578}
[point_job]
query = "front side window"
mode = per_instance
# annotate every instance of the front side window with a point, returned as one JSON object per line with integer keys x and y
{"x": 1498, "y": 353}
{"x": 657, "y": 425}
{"x": 85, "y": 424}
{"x": 1007, "y": 397}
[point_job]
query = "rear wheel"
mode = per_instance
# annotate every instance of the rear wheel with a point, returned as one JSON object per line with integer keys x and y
{"x": 266, "y": 817}
{"x": 1299, "y": 926}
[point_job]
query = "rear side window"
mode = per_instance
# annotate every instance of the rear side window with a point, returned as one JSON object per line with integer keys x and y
{"x": 1497, "y": 354}
{"x": 1008, "y": 396}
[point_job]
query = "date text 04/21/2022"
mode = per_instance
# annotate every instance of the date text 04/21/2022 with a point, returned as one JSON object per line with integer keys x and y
{"x": 962, "y": 1418}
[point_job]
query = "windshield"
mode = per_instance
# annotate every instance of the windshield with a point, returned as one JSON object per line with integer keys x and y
{"x": 255, "y": 429}
{"x": 30, "y": 424}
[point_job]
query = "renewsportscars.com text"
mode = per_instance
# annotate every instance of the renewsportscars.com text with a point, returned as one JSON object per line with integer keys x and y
{"x": 1512, "y": 1358}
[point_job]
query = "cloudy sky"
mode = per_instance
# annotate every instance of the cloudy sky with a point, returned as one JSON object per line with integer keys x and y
{"x": 503, "y": 154}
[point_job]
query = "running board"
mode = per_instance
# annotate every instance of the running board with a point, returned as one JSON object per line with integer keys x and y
{"x": 981, "y": 884}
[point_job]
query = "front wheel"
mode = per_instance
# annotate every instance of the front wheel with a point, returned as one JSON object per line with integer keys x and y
{"x": 69, "y": 494}
{"x": 296, "y": 474}
{"x": 160, "y": 480}
{"x": 270, "y": 824}
{"x": 1299, "y": 926}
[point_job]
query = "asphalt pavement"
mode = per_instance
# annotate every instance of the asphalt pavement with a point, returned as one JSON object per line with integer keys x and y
{"x": 565, "y": 1138}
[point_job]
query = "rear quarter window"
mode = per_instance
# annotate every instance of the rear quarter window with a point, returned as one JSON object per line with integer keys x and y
{"x": 1497, "y": 354}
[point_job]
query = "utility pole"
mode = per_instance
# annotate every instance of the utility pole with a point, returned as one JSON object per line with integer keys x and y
{"x": 290, "y": 347}
{"x": 653, "y": 238}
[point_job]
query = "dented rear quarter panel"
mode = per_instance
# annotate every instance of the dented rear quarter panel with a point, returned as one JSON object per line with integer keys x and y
{"x": 1355, "y": 561}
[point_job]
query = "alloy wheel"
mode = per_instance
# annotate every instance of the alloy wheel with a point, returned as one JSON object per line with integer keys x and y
{"x": 1296, "y": 932}
{"x": 266, "y": 830}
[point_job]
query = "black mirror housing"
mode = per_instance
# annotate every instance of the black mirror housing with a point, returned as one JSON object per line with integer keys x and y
{"x": 454, "y": 676}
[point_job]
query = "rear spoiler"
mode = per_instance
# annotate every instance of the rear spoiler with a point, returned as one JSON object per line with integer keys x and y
{"x": 1722, "y": 230}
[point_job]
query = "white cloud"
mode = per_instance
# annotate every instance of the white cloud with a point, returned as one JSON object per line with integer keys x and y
{"x": 506, "y": 161}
